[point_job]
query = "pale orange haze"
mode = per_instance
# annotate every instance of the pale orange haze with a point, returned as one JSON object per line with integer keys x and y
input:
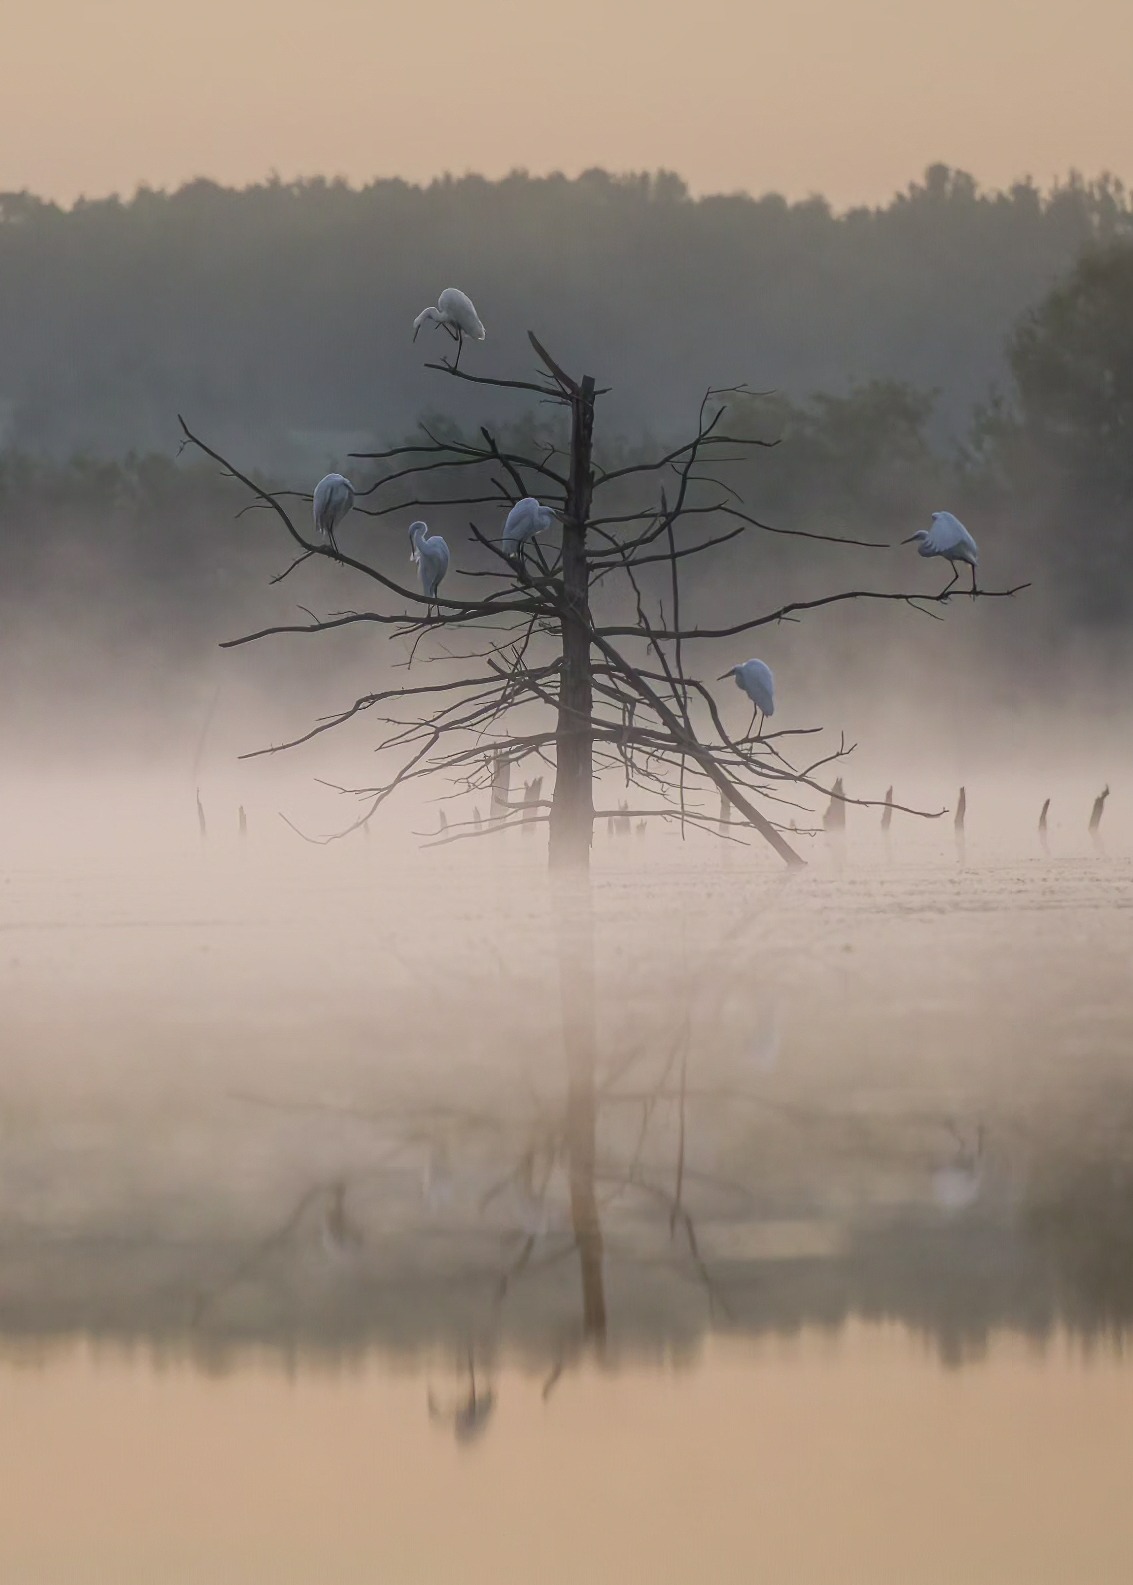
{"x": 847, "y": 99}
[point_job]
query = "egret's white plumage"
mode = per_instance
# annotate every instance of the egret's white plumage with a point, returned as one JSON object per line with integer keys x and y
{"x": 334, "y": 496}
{"x": 456, "y": 311}
{"x": 754, "y": 678}
{"x": 526, "y": 519}
{"x": 948, "y": 538}
{"x": 430, "y": 553}
{"x": 959, "y": 1185}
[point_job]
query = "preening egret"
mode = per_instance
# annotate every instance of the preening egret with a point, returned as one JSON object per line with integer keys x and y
{"x": 526, "y": 519}
{"x": 456, "y": 311}
{"x": 431, "y": 556}
{"x": 334, "y": 496}
{"x": 948, "y": 538}
{"x": 754, "y": 678}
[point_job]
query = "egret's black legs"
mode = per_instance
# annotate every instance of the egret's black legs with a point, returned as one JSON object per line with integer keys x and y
{"x": 951, "y": 580}
{"x": 975, "y": 591}
{"x": 459, "y": 347}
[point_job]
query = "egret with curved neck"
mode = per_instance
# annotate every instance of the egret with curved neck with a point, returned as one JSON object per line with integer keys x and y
{"x": 754, "y": 678}
{"x": 431, "y": 557}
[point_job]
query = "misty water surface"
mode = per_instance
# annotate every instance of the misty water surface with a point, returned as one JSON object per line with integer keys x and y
{"x": 322, "y": 1254}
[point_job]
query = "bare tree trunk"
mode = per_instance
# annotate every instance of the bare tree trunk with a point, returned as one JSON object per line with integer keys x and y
{"x": 580, "y": 1040}
{"x": 572, "y": 806}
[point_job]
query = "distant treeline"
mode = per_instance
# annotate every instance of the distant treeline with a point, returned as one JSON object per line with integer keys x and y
{"x": 1043, "y": 474}
{"x": 278, "y": 317}
{"x": 125, "y": 571}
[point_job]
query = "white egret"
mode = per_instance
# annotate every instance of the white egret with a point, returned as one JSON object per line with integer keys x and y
{"x": 430, "y": 553}
{"x": 948, "y": 538}
{"x": 959, "y": 1185}
{"x": 456, "y": 311}
{"x": 334, "y": 496}
{"x": 754, "y": 678}
{"x": 526, "y": 519}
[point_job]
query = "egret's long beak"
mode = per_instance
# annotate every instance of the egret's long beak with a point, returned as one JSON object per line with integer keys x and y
{"x": 726, "y": 675}
{"x": 910, "y": 539}
{"x": 416, "y": 328}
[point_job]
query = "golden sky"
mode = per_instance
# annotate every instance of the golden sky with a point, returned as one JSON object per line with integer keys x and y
{"x": 848, "y": 97}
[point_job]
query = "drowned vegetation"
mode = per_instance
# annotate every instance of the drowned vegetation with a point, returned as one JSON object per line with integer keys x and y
{"x": 541, "y": 682}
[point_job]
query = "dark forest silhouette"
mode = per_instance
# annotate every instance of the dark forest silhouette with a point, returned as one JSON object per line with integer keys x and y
{"x": 280, "y": 315}
{"x": 956, "y": 349}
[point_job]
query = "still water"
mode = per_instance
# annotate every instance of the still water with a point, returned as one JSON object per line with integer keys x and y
{"x": 366, "y": 1219}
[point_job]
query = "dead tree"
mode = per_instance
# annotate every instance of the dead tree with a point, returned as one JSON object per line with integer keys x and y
{"x": 961, "y": 811}
{"x": 581, "y": 655}
{"x": 1042, "y": 824}
{"x": 887, "y": 811}
{"x": 202, "y": 824}
{"x": 242, "y": 822}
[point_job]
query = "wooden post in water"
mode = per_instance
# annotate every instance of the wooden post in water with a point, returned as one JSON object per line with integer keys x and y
{"x": 958, "y": 826}
{"x": 202, "y": 824}
{"x": 242, "y": 822}
{"x": 1096, "y": 814}
{"x": 532, "y": 792}
{"x": 835, "y": 817}
{"x": 1042, "y": 824}
{"x": 501, "y": 788}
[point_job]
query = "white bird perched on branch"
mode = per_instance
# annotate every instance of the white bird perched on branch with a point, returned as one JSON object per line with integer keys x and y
{"x": 948, "y": 538}
{"x": 526, "y": 519}
{"x": 754, "y": 678}
{"x": 334, "y": 496}
{"x": 430, "y": 553}
{"x": 456, "y": 311}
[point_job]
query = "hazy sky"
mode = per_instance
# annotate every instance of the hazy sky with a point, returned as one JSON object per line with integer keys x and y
{"x": 848, "y": 97}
